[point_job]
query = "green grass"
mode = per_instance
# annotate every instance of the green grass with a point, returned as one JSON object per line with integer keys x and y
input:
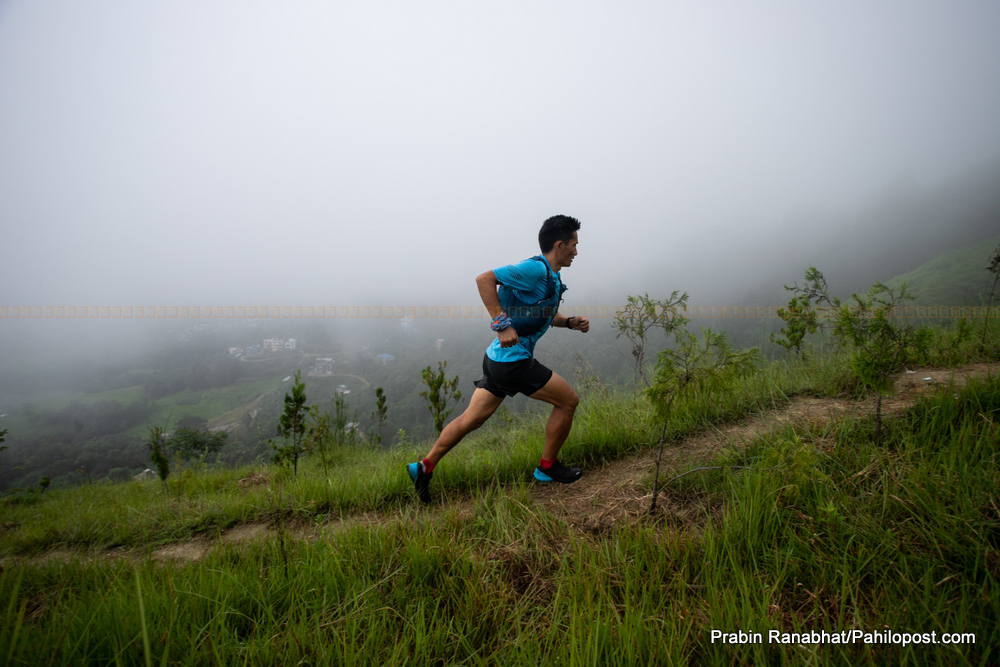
{"x": 608, "y": 425}
{"x": 825, "y": 532}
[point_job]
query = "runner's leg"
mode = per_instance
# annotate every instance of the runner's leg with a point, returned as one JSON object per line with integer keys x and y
{"x": 482, "y": 404}
{"x": 564, "y": 401}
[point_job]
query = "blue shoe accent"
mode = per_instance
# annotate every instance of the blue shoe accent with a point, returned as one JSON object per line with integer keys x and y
{"x": 541, "y": 476}
{"x": 558, "y": 472}
{"x": 421, "y": 481}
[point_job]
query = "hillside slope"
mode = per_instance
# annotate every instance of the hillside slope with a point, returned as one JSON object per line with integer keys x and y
{"x": 954, "y": 278}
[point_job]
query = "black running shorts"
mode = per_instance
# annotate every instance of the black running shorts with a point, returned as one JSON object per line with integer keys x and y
{"x": 506, "y": 378}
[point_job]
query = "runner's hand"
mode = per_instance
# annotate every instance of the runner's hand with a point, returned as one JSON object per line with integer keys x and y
{"x": 581, "y": 324}
{"x": 507, "y": 337}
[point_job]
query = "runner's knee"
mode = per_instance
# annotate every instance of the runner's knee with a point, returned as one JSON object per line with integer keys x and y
{"x": 572, "y": 401}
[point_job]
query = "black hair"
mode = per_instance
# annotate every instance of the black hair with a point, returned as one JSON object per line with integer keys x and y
{"x": 557, "y": 228}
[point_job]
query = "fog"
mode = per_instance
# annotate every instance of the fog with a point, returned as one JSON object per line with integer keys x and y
{"x": 235, "y": 154}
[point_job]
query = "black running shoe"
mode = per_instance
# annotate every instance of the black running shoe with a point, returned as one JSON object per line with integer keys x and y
{"x": 421, "y": 480}
{"x": 558, "y": 472}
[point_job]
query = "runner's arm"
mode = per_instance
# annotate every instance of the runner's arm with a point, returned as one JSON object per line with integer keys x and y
{"x": 579, "y": 323}
{"x": 487, "y": 283}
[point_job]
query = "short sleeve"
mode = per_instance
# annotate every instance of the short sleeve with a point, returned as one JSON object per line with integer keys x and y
{"x": 523, "y": 276}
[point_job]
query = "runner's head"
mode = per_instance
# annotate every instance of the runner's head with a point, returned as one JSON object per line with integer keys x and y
{"x": 557, "y": 228}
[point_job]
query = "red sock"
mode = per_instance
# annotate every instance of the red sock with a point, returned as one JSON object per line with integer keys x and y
{"x": 428, "y": 466}
{"x": 545, "y": 464}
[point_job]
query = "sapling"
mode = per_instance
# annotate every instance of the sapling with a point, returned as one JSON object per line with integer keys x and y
{"x": 343, "y": 426}
{"x": 709, "y": 363}
{"x": 379, "y": 414}
{"x": 292, "y": 423}
{"x": 993, "y": 268}
{"x": 640, "y": 316}
{"x": 881, "y": 345}
{"x": 324, "y": 430}
{"x": 800, "y": 319}
{"x": 318, "y": 436}
{"x": 800, "y": 314}
{"x": 439, "y": 393}
{"x": 158, "y": 451}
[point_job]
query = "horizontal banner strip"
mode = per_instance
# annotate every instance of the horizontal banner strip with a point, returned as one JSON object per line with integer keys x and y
{"x": 453, "y": 312}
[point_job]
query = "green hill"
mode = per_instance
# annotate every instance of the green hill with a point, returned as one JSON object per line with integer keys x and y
{"x": 955, "y": 278}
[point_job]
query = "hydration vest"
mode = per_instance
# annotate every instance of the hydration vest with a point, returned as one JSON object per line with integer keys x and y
{"x": 532, "y": 318}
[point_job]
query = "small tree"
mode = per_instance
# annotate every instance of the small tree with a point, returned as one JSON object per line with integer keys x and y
{"x": 324, "y": 430}
{"x": 3, "y": 433}
{"x": 800, "y": 315}
{"x": 439, "y": 393}
{"x": 800, "y": 319}
{"x": 43, "y": 484}
{"x": 640, "y": 316}
{"x": 318, "y": 435}
{"x": 709, "y": 364}
{"x": 881, "y": 345}
{"x": 379, "y": 414}
{"x": 993, "y": 268}
{"x": 292, "y": 424}
{"x": 158, "y": 451}
{"x": 343, "y": 425}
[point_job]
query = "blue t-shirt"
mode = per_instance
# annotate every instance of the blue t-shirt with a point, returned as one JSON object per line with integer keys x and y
{"x": 528, "y": 280}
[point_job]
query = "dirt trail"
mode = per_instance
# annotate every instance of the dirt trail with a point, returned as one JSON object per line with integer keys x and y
{"x": 615, "y": 493}
{"x": 620, "y": 490}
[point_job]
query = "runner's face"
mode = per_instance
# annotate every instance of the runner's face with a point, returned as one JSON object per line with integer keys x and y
{"x": 567, "y": 251}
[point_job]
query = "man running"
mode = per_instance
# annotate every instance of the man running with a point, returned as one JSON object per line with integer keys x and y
{"x": 522, "y": 309}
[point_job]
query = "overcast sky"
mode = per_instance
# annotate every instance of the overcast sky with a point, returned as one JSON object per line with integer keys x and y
{"x": 322, "y": 152}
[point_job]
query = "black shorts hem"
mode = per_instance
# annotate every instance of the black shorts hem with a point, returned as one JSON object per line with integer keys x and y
{"x": 507, "y": 378}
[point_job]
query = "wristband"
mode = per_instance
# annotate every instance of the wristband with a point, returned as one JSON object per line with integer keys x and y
{"x": 501, "y": 322}
{"x": 567, "y": 323}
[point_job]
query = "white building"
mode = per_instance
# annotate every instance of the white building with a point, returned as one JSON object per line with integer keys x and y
{"x": 279, "y": 344}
